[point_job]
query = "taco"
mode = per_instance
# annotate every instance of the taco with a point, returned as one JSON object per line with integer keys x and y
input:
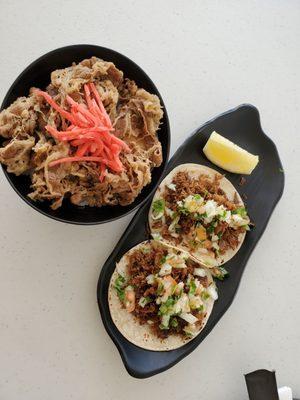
{"x": 160, "y": 297}
{"x": 198, "y": 210}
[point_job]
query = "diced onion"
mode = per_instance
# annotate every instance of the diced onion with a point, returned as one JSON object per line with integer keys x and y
{"x": 165, "y": 320}
{"x": 157, "y": 216}
{"x": 150, "y": 279}
{"x": 200, "y": 272}
{"x": 172, "y": 186}
{"x": 212, "y": 291}
{"x": 166, "y": 269}
{"x": 156, "y": 236}
{"x": 190, "y": 318}
{"x": 143, "y": 302}
{"x": 182, "y": 304}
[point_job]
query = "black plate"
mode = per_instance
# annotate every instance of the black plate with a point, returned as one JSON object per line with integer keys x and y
{"x": 263, "y": 190}
{"x": 38, "y": 74}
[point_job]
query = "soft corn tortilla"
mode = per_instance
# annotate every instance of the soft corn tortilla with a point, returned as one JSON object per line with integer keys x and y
{"x": 129, "y": 326}
{"x": 195, "y": 170}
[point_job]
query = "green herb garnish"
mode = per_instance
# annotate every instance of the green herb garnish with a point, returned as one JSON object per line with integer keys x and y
{"x": 193, "y": 287}
{"x": 144, "y": 301}
{"x": 221, "y": 273}
{"x": 210, "y": 228}
{"x": 205, "y": 295}
{"x": 119, "y": 286}
{"x": 163, "y": 259}
{"x": 174, "y": 323}
{"x": 240, "y": 211}
{"x": 200, "y": 216}
{"x": 188, "y": 334}
{"x": 183, "y": 211}
{"x": 158, "y": 206}
{"x": 205, "y": 193}
{"x": 246, "y": 227}
{"x": 166, "y": 307}
{"x": 160, "y": 289}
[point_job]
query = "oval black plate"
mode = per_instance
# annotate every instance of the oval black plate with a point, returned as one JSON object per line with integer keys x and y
{"x": 263, "y": 190}
{"x": 37, "y": 74}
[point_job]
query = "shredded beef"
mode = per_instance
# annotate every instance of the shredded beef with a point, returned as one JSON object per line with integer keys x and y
{"x": 186, "y": 224}
{"x": 210, "y": 190}
{"x": 140, "y": 265}
{"x": 28, "y": 148}
{"x": 230, "y": 239}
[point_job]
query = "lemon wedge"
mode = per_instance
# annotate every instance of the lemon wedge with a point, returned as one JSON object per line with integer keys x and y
{"x": 229, "y": 156}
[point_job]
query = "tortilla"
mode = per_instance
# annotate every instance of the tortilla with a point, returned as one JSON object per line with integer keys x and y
{"x": 195, "y": 170}
{"x": 141, "y": 334}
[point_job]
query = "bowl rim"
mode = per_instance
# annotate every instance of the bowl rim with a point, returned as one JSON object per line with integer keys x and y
{"x": 167, "y": 127}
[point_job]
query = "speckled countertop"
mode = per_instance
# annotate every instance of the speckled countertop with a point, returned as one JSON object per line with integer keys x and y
{"x": 205, "y": 57}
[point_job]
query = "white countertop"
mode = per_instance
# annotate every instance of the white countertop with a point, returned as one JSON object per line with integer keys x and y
{"x": 205, "y": 57}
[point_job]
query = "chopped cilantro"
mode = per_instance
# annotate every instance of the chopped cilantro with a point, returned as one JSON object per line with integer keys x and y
{"x": 158, "y": 206}
{"x": 198, "y": 216}
{"x": 193, "y": 287}
{"x": 165, "y": 308}
{"x": 188, "y": 334}
{"x": 119, "y": 286}
{"x": 183, "y": 210}
{"x": 240, "y": 211}
{"x": 163, "y": 259}
{"x": 222, "y": 215}
{"x": 197, "y": 197}
{"x": 205, "y": 193}
{"x": 174, "y": 323}
{"x": 170, "y": 302}
{"x": 160, "y": 289}
{"x": 205, "y": 295}
{"x": 221, "y": 273}
{"x": 246, "y": 227}
{"x": 144, "y": 301}
{"x": 210, "y": 228}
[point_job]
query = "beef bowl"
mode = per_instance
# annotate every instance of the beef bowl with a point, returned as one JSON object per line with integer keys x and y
{"x": 84, "y": 135}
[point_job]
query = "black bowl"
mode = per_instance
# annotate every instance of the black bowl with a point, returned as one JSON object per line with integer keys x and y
{"x": 38, "y": 74}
